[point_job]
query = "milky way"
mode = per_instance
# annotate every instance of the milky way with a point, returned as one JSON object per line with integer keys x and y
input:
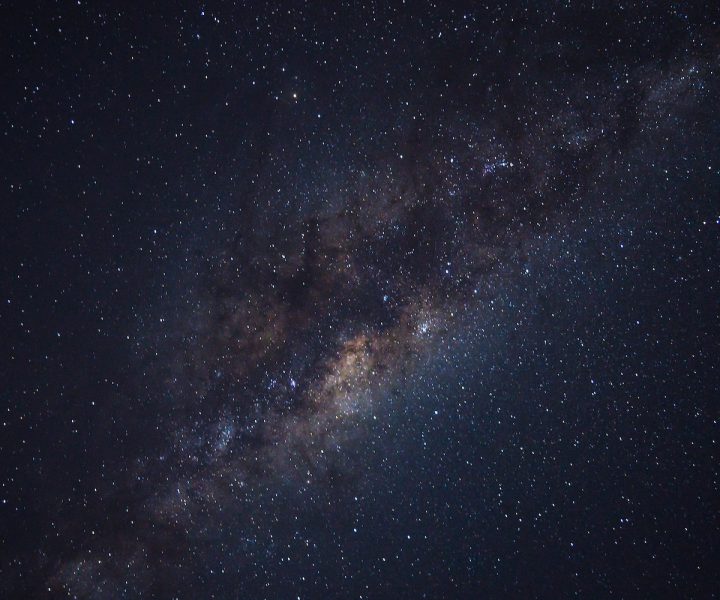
{"x": 379, "y": 226}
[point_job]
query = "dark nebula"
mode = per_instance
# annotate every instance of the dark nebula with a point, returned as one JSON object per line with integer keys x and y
{"x": 365, "y": 300}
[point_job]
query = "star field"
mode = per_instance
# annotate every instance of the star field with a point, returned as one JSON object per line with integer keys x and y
{"x": 359, "y": 300}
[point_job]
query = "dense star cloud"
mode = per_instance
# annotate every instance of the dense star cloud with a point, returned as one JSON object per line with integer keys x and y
{"x": 361, "y": 301}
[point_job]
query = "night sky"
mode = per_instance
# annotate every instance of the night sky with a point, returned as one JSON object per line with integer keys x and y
{"x": 370, "y": 300}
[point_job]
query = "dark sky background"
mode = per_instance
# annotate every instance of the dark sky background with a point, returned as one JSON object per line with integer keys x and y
{"x": 359, "y": 300}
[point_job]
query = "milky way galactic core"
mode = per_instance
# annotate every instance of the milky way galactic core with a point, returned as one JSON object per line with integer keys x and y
{"x": 360, "y": 300}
